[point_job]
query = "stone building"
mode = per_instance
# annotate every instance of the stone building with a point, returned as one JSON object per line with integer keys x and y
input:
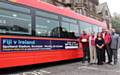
{"x": 61, "y": 3}
{"x": 84, "y": 7}
{"x": 90, "y": 8}
{"x": 87, "y": 8}
{"x": 105, "y": 14}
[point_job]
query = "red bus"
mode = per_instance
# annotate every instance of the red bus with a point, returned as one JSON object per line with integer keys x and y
{"x": 33, "y": 32}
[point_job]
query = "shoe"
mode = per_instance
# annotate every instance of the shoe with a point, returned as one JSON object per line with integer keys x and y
{"x": 91, "y": 63}
{"x": 115, "y": 63}
{"x": 85, "y": 63}
{"x": 103, "y": 62}
{"x": 100, "y": 63}
{"x": 110, "y": 63}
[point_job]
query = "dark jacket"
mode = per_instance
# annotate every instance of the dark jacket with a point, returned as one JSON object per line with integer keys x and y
{"x": 114, "y": 41}
{"x": 99, "y": 42}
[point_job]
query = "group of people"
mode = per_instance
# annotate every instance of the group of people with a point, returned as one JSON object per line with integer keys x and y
{"x": 95, "y": 47}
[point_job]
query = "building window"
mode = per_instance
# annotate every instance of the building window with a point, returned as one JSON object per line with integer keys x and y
{"x": 14, "y": 22}
{"x": 94, "y": 9}
{"x": 85, "y": 0}
{"x": 106, "y": 13}
{"x": 85, "y": 12}
{"x": 79, "y": 11}
{"x": 47, "y": 27}
{"x": 91, "y": 6}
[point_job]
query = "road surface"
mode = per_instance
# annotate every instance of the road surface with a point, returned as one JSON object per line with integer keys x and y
{"x": 72, "y": 68}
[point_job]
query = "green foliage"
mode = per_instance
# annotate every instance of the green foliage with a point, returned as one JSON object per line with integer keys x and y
{"x": 116, "y": 22}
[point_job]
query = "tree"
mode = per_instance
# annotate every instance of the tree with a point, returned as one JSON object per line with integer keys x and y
{"x": 116, "y": 22}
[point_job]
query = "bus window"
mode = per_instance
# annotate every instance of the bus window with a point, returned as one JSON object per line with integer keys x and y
{"x": 13, "y": 7}
{"x": 66, "y": 26}
{"x": 14, "y": 22}
{"x": 75, "y": 29}
{"x": 85, "y": 27}
{"x": 95, "y": 29}
{"x": 69, "y": 20}
{"x": 65, "y": 30}
{"x": 46, "y": 14}
{"x": 47, "y": 27}
{"x": 69, "y": 30}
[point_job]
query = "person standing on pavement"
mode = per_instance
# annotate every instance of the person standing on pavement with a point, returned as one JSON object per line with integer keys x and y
{"x": 114, "y": 45}
{"x": 92, "y": 48}
{"x": 119, "y": 42}
{"x": 99, "y": 43}
{"x": 107, "y": 38}
{"x": 84, "y": 39}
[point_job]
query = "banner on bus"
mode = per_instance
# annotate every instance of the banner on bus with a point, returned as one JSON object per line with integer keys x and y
{"x": 15, "y": 44}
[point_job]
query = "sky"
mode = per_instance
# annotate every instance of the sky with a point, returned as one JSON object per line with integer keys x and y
{"x": 114, "y": 5}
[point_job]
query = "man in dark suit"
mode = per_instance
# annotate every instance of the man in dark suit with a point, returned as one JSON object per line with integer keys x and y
{"x": 114, "y": 45}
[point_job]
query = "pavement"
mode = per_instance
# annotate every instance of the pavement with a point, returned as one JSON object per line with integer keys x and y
{"x": 72, "y": 68}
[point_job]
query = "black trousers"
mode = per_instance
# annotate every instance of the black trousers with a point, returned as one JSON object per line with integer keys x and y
{"x": 109, "y": 53}
{"x": 100, "y": 55}
{"x": 86, "y": 54}
{"x": 115, "y": 55}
